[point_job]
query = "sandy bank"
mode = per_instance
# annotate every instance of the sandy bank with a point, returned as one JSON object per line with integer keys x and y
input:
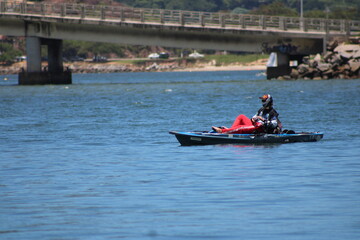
{"x": 223, "y": 68}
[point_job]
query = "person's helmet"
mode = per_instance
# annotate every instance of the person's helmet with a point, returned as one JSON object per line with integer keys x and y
{"x": 266, "y": 100}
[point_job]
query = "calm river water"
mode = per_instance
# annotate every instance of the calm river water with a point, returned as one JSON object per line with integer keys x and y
{"x": 94, "y": 160}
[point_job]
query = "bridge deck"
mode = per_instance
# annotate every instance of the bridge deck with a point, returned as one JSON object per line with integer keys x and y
{"x": 208, "y": 20}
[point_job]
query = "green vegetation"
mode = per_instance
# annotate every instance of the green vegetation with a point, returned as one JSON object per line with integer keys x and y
{"x": 339, "y": 9}
{"x": 220, "y": 59}
{"x": 8, "y": 53}
{"x": 232, "y": 58}
{"x": 130, "y": 61}
{"x": 275, "y": 9}
{"x": 83, "y": 49}
{"x": 137, "y": 61}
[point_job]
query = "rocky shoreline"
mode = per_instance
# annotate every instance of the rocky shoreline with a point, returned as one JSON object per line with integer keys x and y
{"x": 88, "y": 67}
{"x": 148, "y": 66}
{"x": 340, "y": 62}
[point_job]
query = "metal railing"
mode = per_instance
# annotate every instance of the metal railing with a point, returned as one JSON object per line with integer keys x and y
{"x": 179, "y": 18}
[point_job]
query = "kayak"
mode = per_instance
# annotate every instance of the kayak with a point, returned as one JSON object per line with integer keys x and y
{"x": 209, "y": 138}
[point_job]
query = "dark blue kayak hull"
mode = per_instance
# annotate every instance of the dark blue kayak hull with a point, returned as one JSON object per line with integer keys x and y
{"x": 206, "y": 138}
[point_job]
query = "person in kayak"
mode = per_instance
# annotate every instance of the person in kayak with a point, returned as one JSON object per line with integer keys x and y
{"x": 266, "y": 120}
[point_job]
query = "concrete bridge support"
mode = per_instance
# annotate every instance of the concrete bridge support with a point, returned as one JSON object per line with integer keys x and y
{"x": 55, "y": 60}
{"x": 54, "y": 74}
{"x": 280, "y": 66}
{"x": 33, "y": 52}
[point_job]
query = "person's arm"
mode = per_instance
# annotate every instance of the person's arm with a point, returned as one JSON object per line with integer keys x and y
{"x": 272, "y": 123}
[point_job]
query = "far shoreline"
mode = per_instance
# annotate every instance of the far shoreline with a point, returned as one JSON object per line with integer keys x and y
{"x": 222, "y": 68}
{"x": 114, "y": 67}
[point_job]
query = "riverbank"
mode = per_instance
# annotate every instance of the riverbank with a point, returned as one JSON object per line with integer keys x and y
{"x": 258, "y": 65}
{"x": 146, "y": 66}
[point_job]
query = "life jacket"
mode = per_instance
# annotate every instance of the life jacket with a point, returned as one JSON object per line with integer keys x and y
{"x": 270, "y": 114}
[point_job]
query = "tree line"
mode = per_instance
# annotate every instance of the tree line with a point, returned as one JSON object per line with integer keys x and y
{"x": 342, "y": 9}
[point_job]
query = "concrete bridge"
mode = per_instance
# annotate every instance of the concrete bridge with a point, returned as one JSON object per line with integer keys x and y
{"x": 49, "y": 24}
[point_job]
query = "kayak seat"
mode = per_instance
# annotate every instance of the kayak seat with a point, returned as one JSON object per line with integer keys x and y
{"x": 285, "y": 131}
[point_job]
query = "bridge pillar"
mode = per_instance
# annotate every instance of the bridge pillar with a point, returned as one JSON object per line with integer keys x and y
{"x": 279, "y": 66}
{"x": 54, "y": 74}
{"x": 55, "y": 60}
{"x": 33, "y": 52}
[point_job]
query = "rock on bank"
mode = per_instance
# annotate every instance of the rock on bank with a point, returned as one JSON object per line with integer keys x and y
{"x": 108, "y": 67}
{"x": 340, "y": 61}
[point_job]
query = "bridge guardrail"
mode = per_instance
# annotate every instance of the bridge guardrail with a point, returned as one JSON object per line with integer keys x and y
{"x": 179, "y": 18}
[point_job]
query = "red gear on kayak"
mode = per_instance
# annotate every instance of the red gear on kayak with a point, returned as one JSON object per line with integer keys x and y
{"x": 243, "y": 125}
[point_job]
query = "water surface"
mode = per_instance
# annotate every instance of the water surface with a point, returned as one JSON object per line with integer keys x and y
{"x": 94, "y": 160}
